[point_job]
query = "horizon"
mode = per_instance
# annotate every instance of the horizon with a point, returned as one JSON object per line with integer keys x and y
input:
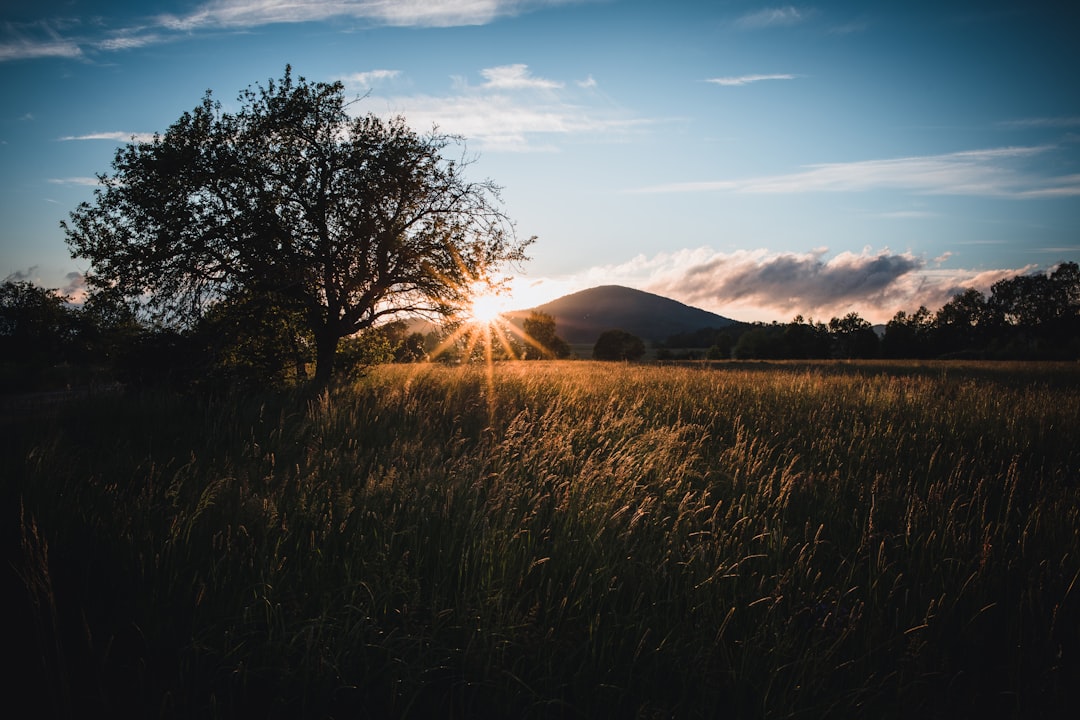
{"x": 754, "y": 161}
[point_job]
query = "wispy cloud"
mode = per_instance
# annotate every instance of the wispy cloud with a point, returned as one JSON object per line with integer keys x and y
{"x": 738, "y": 80}
{"x": 77, "y": 39}
{"x": 993, "y": 172}
{"x": 515, "y": 77}
{"x": 369, "y": 79}
{"x": 130, "y": 41}
{"x": 513, "y": 111}
{"x": 504, "y": 123}
{"x": 404, "y": 13}
{"x": 35, "y": 41}
{"x": 123, "y": 137}
{"x": 81, "y": 181}
{"x": 772, "y": 17}
{"x": 1043, "y": 122}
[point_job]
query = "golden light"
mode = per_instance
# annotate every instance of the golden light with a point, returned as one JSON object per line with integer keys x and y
{"x": 486, "y": 307}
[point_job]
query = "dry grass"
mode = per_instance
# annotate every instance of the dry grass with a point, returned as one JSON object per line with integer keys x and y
{"x": 567, "y": 539}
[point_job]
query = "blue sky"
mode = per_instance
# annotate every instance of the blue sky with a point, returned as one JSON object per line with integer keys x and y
{"x": 759, "y": 160}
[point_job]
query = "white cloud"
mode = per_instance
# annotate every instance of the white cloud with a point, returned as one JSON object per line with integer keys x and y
{"x": 369, "y": 78}
{"x": 496, "y": 115}
{"x": 515, "y": 77}
{"x": 740, "y": 80}
{"x": 587, "y": 84}
{"x": 82, "y": 181}
{"x": 991, "y": 172}
{"x": 772, "y": 17}
{"x": 501, "y": 122}
{"x": 126, "y": 41}
{"x": 24, "y": 49}
{"x": 401, "y": 13}
{"x": 124, "y": 137}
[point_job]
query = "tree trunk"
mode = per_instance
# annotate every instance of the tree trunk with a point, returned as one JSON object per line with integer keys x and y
{"x": 326, "y": 343}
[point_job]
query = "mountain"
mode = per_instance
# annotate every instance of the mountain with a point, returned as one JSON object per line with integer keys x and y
{"x": 581, "y": 317}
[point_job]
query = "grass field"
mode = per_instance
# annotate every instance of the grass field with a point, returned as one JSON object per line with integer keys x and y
{"x": 574, "y": 539}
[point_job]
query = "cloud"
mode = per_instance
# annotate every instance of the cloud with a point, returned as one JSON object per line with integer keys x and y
{"x": 46, "y": 40}
{"x": 75, "y": 288}
{"x": 772, "y": 17}
{"x": 587, "y": 84}
{"x": 500, "y": 122}
{"x": 992, "y": 172}
{"x": 81, "y": 181}
{"x": 370, "y": 78}
{"x": 399, "y": 13}
{"x": 746, "y": 79}
{"x": 496, "y": 115}
{"x": 124, "y": 137}
{"x": 125, "y": 41}
{"x": 28, "y": 275}
{"x": 52, "y": 45}
{"x": 515, "y": 77}
{"x": 763, "y": 285}
{"x": 1043, "y": 122}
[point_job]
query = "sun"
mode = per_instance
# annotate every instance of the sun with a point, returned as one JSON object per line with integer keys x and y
{"x": 486, "y": 307}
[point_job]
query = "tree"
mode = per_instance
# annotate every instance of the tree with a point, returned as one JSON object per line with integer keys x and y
{"x": 961, "y": 324}
{"x": 351, "y": 220}
{"x": 618, "y": 345}
{"x": 853, "y": 337}
{"x": 37, "y": 327}
{"x": 540, "y": 326}
{"x": 909, "y": 336}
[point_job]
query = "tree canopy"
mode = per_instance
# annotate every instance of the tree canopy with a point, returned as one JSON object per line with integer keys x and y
{"x": 618, "y": 345}
{"x": 346, "y": 221}
{"x": 540, "y": 327}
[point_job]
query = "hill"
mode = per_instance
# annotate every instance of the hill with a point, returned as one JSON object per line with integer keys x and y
{"x": 581, "y": 317}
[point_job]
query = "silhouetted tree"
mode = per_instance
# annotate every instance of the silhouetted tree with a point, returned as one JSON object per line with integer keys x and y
{"x": 540, "y": 326}
{"x": 255, "y": 339}
{"x": 38, "y": 331}
{"x": 1036, "y": 315}
{"x": 806, "y": 339}
{"x": 909, "y": 336}
{"x": 853, "y": 337}
{"x": 353, "y": 220}
{"x": 618, "y": 345}
{"x": 761, "y": 342}
{"x": 961, "y": 324}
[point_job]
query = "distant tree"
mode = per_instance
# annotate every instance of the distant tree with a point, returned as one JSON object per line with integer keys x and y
{"x": 411, "y": 349}
{"x": 909, "y": 336}
{"x": 963, "y": 323}
{"x": 38, "y": 329}
{"x": 853, "y": 337}
{"x": 540, "y": 326}
{"x": 761, "y": 342}
{"x": 618, "y": 345}
{"x": 354, "y": 220}
{"x": 1036, "y": 315}
{"x": 805, "y": 339}
{"x": 720, "y": 351}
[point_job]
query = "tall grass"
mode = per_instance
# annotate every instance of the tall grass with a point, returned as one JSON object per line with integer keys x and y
{"x": 561, "y": 540}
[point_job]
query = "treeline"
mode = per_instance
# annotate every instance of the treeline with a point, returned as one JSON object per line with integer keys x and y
{"x": 1026, "y": 317}
{"x": 259, "y": 339}
{"x": 250, "y": 340}
{"x": 48, "y": 342}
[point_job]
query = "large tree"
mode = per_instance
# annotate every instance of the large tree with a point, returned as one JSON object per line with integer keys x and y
{"x": 350, "y": 220}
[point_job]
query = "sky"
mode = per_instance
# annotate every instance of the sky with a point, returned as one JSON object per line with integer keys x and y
{"x": 758, "y": 160}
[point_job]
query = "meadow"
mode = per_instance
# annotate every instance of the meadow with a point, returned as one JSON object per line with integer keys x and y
{"x": 557, "y": 539}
